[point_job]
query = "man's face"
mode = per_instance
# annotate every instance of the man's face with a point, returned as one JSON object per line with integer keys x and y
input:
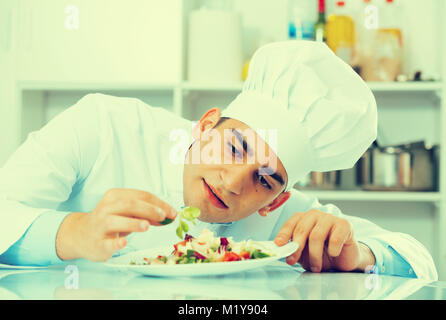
{"x": 230, "y": 173}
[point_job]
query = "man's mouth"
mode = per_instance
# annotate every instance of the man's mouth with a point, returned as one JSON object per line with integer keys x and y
{"x": 213, "y": 197}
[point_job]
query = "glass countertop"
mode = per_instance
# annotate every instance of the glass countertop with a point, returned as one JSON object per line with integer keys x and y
{"x": 278, "y": 281}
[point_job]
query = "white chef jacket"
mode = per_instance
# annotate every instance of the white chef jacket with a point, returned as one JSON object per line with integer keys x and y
{"x": 105, "y": 142}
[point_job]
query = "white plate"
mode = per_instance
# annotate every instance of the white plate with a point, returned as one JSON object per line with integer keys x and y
{"x": 199, "y": 269}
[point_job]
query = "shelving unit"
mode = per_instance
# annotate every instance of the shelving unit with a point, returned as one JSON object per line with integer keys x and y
{"x": 93, "y": 86}
{"x": 434, "y": 86}
{"x": 188, "y": 99}
{"x": 184, "y": 90}
{"x": 428, "y": 197}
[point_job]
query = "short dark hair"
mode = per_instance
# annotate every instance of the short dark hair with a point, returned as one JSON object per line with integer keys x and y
{"x": 222, "y": 119}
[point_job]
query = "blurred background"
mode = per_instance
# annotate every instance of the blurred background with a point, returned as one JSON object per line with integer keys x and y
{"x": 191, "y": 55}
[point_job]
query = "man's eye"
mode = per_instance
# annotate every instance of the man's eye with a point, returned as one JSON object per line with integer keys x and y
{"x": 234, "y": 150}
{"x": 264, "y": 182}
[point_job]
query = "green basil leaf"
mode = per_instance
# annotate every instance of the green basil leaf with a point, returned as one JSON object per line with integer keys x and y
{"x": 187, "y": 216}
{"x": 190, "y": 213}
{"x": 184, "y": 226}
{"x": 180, "y": 232}
{"x": 166, "y": 221}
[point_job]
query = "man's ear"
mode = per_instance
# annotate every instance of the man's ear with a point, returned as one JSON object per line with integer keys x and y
{"x": 277, "y": 202}
{"x": 207, "y": 122}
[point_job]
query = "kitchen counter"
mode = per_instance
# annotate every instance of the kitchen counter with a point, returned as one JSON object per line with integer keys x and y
{"x": 86, "y": 280}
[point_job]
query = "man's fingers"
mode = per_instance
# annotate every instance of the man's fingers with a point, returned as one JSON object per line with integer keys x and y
{"x": 126, "y": 195}
{"x": 113, "y": 244}
{"x": 316, "y": 243}
{"x": 300, "y": 236}
{"x": 338, "y": 236}
{"x": 169, "y": 211}
{"x": 124, "y": 225}
{"x": 318, "y": 235}
{"x": 286, "y": 232}
{"x": 136, "y": 208}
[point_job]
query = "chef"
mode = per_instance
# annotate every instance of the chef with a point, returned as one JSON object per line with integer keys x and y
{"x": 98, "y": 180}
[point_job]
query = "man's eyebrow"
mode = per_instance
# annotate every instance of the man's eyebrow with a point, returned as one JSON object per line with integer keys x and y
{"x": 268, "y": 171}
{"x": 264, "y": 170}
{"x": 242, "y": 141}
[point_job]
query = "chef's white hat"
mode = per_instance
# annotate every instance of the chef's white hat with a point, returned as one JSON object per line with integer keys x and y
{"x": 324, "y": 113}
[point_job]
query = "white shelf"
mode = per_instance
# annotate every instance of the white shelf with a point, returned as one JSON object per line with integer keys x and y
{"x": 88, "y": 86}
{"x": 374, "y": 86}
{"x": 217, "y": 86}
{"x": 375, "y": 196}
{"x": 405, "y": 86}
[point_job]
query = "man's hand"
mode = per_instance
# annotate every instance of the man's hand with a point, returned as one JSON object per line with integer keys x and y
{"x": 97, "y": 235}
{"x": 326, "y": 242}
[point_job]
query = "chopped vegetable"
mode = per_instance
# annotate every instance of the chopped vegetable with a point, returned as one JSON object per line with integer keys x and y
{"x": 182, "y": 243}
{"x": 224, "y": 241}
{"x": 257, "y": 254}
{"x": 245, "y": 255}
{"x": 188, "y": 237}
{"x": 199, "y": 256}
{"x": 231, "y": 256}
{"x": 190, "y": 253}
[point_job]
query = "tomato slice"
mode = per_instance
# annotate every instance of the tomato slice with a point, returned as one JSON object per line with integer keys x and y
{"x": 245, "y": 255}
{"x": 231, "y": 256}
{"x": 182, "y": 243}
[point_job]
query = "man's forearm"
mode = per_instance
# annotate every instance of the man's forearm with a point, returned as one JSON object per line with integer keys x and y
{"x": 37, "y": 245}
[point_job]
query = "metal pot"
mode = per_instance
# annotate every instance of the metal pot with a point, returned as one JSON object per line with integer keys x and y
{"x": 320, "y": 181}
{"x": 410, "y": 167}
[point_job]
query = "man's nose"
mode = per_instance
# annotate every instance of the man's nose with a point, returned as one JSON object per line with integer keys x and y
{"x": 236, "y": 178}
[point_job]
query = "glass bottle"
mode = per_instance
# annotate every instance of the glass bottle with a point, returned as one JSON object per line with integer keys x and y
{"x": 320, "y": 33}
{"x": 341, "y": 32}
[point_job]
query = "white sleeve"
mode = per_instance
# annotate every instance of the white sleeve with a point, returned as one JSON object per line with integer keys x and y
{"x": 365, "y": 231}
{"x": 40, "y": 175}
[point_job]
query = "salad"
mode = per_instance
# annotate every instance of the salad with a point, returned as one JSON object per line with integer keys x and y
{"x": 207, "y": 248}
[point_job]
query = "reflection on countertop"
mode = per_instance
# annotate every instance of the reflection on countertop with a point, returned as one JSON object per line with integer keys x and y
{"x": 86, "y": 280}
